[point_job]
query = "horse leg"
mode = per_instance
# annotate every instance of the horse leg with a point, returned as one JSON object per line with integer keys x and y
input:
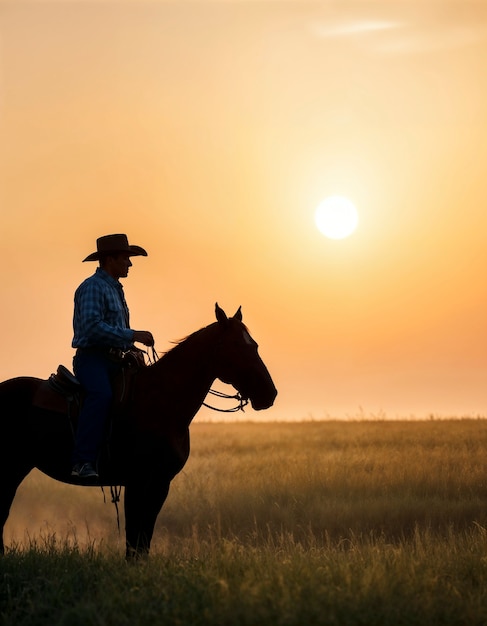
{"x": 10, "y": 479}
{"x": 143, "y": 501}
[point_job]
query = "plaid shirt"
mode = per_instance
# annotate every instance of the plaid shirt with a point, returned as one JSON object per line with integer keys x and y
{"x": 101, "y": 315}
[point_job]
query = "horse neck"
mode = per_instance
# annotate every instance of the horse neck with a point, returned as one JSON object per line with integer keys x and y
{"x": 179, "y": 382}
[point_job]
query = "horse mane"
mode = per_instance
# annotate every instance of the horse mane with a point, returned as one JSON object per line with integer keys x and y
{"x": 179, "y": 344}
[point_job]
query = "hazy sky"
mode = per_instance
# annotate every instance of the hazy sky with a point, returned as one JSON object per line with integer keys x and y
{"x": 209, "y": 132}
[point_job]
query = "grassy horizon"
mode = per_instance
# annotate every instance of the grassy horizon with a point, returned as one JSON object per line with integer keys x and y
{"x": 362, "y": 475}
{"x": 329, "y": 522}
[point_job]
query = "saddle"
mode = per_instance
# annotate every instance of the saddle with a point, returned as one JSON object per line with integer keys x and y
{"x": 60, "y": 393}
{"x": 63, "y": 393}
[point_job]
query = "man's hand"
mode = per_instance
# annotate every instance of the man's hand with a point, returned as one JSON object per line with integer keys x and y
{"x": 144, "y": 336}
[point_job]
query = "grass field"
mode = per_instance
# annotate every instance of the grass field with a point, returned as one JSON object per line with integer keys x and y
{"x": 355, "y": 522}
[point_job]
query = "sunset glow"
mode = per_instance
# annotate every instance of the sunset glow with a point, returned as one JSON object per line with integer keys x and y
{"x": 210, "y": 132}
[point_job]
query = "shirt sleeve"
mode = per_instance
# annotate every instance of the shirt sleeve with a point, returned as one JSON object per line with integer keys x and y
{"x": 99, "y": 318}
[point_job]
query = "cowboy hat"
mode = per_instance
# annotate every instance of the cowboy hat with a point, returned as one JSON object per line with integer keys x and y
{"x": 114, "y": 244}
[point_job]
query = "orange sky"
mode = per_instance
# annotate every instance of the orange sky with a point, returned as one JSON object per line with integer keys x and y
{"x": 209, "y": 132}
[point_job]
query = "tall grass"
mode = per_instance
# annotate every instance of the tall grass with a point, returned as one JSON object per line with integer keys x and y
{"x": 307, "y": 523}
{"x": 332, "y": 479}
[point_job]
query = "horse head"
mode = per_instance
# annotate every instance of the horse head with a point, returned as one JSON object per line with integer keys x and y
{"x": 238, "y": 362}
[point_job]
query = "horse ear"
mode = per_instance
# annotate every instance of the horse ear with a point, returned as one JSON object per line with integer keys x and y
{"x": 238, "y": 314}
{"x": 221, "y": 316}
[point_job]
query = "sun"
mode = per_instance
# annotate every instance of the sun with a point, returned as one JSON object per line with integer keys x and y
{"x": 336, "y": 217}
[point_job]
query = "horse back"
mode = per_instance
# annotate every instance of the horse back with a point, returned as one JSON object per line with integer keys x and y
{"x": 16, "y": 395}
{"x": 17, "y": 392}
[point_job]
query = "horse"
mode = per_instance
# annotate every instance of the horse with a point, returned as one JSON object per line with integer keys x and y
{"x": 149, "y": 442}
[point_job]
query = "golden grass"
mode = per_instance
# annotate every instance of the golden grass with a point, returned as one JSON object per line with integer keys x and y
{"x": 314, "y": 481}
{"x": 332, "y": 523}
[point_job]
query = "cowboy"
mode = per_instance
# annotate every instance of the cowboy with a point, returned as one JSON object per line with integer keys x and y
{"x": 101, "y": 334}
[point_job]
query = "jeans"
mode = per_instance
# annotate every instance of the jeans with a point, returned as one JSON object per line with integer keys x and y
{"x": 95, "y": 371}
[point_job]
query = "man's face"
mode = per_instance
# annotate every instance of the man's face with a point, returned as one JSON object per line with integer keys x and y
{"x": 118, "y": 265}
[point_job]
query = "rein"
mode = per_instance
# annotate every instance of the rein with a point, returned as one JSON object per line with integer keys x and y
{"x": 152, "y": 356}
{"x": 242, "y": 402}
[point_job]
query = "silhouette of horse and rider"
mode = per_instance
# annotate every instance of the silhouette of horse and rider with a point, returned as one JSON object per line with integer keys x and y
{"x": 121, "y": 422}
